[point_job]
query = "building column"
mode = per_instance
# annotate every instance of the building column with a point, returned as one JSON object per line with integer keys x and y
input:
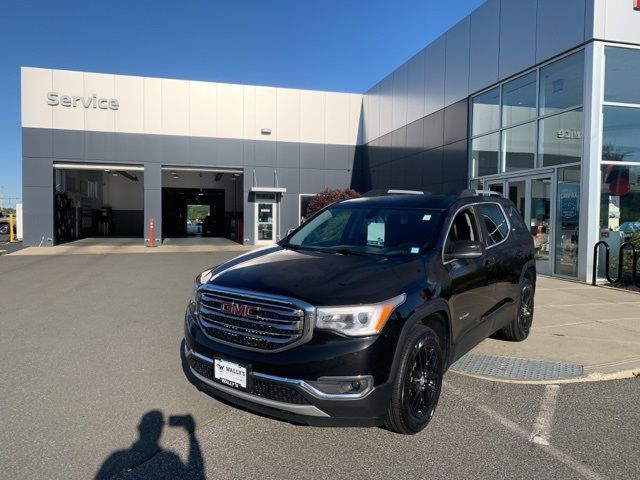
{"x": 153, "y": 200}
{"x": 592, "y": 151}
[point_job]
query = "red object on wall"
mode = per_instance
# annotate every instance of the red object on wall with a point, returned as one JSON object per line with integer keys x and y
{"x": 619, "y": 187}
{"x": 636, "y": 4}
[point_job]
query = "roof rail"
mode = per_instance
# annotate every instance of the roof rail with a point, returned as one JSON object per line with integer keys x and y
{"x": 478, "y": 193}
{"x": 381, "y": 192}
{"x": 405, "y": 192}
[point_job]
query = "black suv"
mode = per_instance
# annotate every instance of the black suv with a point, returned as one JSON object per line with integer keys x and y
{"x": 353, "y": 318}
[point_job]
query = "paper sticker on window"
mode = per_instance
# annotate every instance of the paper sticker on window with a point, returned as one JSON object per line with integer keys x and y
{"x": 375, "y": 234}
{"x": 426, "y": 218}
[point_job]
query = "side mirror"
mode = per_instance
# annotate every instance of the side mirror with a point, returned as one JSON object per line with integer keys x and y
{"x": 465, "y": 249}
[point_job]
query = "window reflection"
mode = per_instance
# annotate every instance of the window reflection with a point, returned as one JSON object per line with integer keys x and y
{"x": 519, "y": 147}
{"x": 621, "y": 134}
{"x": 622, "y": 75}
{"x": 619, "y": 208}
{"x": 519, "y": 100}
{"x": 561, "y": 84}
{"x": 485, "y": 115}
{"x": 484, "y": 152}
{"x": 561, "y": 139}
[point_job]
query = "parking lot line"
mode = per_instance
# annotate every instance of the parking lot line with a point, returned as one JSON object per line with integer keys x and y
{"x": 559, "y": 455}
{"x": 542, "y": 428}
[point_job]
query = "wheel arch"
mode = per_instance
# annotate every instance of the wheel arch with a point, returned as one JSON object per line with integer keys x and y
{"x": 436, "y": 315}
{"x": 529, "y": 271}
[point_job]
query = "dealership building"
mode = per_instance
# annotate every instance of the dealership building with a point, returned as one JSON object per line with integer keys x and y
{"x": 537, "y": 100}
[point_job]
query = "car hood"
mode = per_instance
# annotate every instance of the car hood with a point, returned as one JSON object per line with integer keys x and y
{"x": 319, "y": 278}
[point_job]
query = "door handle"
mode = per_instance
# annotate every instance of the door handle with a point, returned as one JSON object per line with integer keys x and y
{"x": 489, "y": 262}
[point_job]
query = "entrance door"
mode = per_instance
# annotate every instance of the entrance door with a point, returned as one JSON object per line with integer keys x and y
{"x": 540, "y": 213}
{"x": 266, "y": 221}
{"x": 534, "y": 198}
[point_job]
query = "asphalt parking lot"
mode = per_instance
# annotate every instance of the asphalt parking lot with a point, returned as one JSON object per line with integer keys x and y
{"x": 91, "y": 375}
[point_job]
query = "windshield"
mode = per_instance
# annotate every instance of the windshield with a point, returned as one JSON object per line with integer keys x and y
{"x": 367, "y": 231}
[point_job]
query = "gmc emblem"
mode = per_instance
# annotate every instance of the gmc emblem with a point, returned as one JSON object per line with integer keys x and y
{"x": 239, "y": 310}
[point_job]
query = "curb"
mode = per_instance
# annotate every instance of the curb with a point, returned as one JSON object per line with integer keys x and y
{"x": 592, "y": 377}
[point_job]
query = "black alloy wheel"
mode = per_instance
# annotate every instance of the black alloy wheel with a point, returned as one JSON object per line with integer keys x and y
{"x": 422, "y": 385}
{"x": 520, "y": 327}
{"x": 417, "y": 386}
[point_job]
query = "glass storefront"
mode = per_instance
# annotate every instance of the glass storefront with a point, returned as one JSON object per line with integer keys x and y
{"x": 619, "y": 174}
{"x": 527, "y": 144}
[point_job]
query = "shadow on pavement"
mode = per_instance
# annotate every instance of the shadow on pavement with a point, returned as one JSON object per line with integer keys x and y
{"x": 166, "y": 464}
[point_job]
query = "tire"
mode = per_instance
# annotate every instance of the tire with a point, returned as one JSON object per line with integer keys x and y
{"x": 4, "y": 228}
{"x": 519, "y": 328}
{"x": 417, "y": 386}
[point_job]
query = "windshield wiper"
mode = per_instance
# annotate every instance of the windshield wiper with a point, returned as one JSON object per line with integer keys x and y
{"x": 344, "y": 251}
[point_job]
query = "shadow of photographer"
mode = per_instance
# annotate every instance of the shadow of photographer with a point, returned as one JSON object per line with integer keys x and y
{"x": 166, "y": 464}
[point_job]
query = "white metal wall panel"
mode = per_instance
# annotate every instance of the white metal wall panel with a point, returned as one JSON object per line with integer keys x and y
{"x": 67, "y": 83}
{"x": 312, "y": 115}
{"x": 230, "y": 110}
{"x": 249, "y": 130}
{"x": 560, "y": 26}
{"x": 457, "y": 63}
{"x": 152, "y": 105}
{"x": 484, "y": 45}
{"x": 355, "y": 119}
{"x": 415, "y": 87}
{"x": 288, "y": 115}
{"x": 517, "y": 36}
{"x": 35, "y": 83}
{"x": 399, "y": 102}
{"x": 130, "y": 94}
{"x": 266, "y": 105}
{"x": 622, "y": 22}
{"x": 102, "y": 86}
{"x": 203, "y": 98}
{"x": 434, "y": 68}
{"x": 175, "y": 107}
{"x": 191, "y": 108}
{"x": 337, "y": 119}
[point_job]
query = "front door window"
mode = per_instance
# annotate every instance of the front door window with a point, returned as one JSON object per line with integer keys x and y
{"x": 265, "y": 222}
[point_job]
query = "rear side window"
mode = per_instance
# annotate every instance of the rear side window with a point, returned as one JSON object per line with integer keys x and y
{"x": 495, "y": 222}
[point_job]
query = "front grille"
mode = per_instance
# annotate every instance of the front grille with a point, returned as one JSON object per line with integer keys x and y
{"x": 249, "y": 322}
{"x": 260, "y": 388}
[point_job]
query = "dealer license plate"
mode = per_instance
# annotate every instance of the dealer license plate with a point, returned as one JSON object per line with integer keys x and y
{"x": 229, "y": 373}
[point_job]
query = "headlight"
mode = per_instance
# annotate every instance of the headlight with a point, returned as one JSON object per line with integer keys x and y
{"x": 195, "y": 294}
{"x": 357, "y": 320}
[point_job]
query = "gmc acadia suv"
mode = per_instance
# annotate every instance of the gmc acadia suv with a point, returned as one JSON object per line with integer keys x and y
{"x": 353, "y": 318}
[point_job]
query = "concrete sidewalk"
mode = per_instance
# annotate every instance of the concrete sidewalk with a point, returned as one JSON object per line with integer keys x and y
{"x": 596, "y": 327}
{"x": 98, "y": 246}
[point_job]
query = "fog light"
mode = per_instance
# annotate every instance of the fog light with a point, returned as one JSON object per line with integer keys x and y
{"x": 342, "y": 386}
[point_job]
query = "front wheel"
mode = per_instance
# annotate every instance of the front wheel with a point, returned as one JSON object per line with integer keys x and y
{"x": 418, "y": 384}
{"x": 4, "y": 228}
{"x": 519, "y": 328}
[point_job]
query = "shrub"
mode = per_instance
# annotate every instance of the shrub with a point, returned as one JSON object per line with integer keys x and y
{"x": 327, "y": 197}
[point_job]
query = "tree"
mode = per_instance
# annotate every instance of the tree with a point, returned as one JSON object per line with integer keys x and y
{"x": 328, "y": 197}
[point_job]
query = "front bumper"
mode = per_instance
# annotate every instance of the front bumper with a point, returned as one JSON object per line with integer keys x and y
{"x": 279, "y": 385}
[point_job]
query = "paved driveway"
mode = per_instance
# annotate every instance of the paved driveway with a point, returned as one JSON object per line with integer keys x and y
{"x": 90, "y": 371}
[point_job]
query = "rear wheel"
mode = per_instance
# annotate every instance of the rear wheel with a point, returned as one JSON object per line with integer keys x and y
{"x": 418, "y": 384}
{"x": 4, "y": 228}
{"x": 519, "y": 328}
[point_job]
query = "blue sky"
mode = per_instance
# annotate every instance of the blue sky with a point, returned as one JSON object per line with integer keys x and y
{"x": 345, "y": 45}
